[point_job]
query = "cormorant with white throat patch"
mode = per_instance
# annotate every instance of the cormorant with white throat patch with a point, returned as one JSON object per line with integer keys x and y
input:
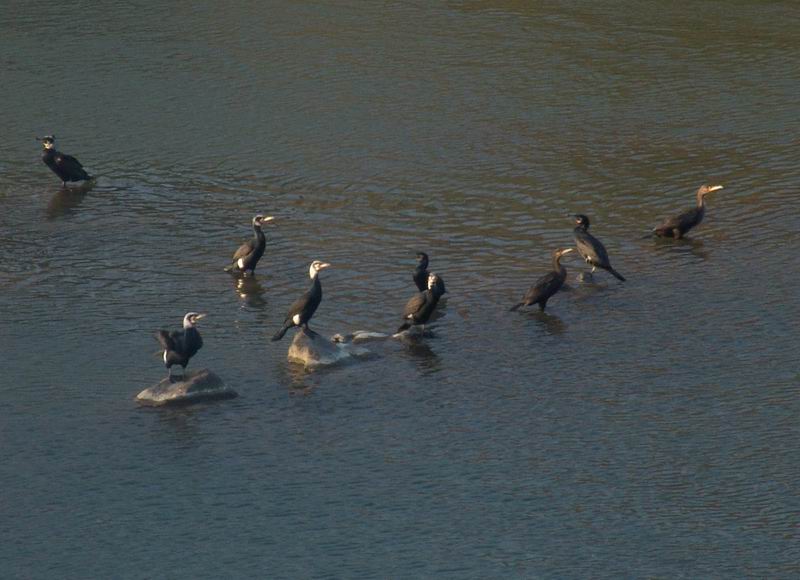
{"x": 250, "y": 252}
{"x": 302, "y": 309}
{"x": 65, "y": 166}
{"x": 418, "y": 310}
{"x": 181, "y": 345}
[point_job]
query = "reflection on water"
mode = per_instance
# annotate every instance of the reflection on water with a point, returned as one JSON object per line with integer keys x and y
{"x": 67, "y": 199}
{"x": 681, "y": 247}
{"x": 250, "y": 291}
{"x": 551, "y": 323}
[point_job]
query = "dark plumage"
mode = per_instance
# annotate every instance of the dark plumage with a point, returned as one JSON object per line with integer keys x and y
{"x": 250, "y": 252}
{"x": 65, "y": 166}
{"x": 418, "y": 310}
{"x": 420, "y": 275}
{"x": 302, "y": 309}
{"x": 181, "y": 345}
{"x": 591, "y": 249}
{"x": 677, "y": 227}
{"x": 547, "y": 285}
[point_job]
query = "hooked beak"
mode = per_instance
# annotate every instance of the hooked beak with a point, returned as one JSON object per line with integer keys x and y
{"x": 199, "y": 316}
{"x": 714, "y": 188}
{"x": 323, "y": 265}
{"x": 567, "y": 251}
{"x": 266, "y": 219}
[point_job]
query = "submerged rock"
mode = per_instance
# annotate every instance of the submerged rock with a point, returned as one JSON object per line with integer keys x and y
{"x": 312, "y": 349}
{"x": 202, "y": 385}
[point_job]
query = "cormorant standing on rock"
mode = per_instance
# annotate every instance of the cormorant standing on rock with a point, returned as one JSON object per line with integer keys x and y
{"x": 591, "y": 249}
{"x": 302, "y": 309}
{"x": 418, "y": 310}
{"x": 250, "y": 252}
{"x": 677, "y": 227}
{"x": 547, "y": 285}
{"x": 65, "y": 166}
{"x": 181, "y": 345}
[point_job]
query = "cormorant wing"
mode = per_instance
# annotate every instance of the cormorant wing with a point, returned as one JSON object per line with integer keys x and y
{"x": 683, "y": 220}
{"x": 166, "y": 339}
{"x": 591, "y": 247}
{"x": 541, "y": 288}
{"x": 244, "y": 250}
{"x": 298, "y": 305}
{"x": 415, "y": 304}
{"x": 68, "y": 163}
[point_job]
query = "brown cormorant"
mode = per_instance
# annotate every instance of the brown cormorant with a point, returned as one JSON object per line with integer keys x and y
{"x": 677, "y": 227}
{"x": 547, "y": 285}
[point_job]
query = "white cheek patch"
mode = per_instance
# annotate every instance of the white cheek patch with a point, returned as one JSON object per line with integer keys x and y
{"x": 296, "y": 319}
{"x": 240, "y": 262}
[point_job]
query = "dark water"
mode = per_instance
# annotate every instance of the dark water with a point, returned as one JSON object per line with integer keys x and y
{"x": 639, "y": 430}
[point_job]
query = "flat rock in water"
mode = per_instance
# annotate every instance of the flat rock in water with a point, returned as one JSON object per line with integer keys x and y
{"x": 202, "y": 385}
{"x": 312, "y": 349}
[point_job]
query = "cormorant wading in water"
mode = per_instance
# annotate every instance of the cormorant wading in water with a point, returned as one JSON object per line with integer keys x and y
{"x": 181, "y": 345}
{"x": 65, "y": 166}
{"x": 547, "y": 285}
{"x": 302, "y": 309}
{"x": 418, "y": 310}
{"x": 250, "y": 252}
{"x": 677, "y": 227}
{"x": 591, "y": 249}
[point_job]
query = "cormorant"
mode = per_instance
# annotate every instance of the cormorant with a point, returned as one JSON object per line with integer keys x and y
{"x": 547, "y": 285}
{"x": 418, "y": 310}
{"x": 591, "y": 249}
{"x": 250, "y": 252}
{"x": 181, "y": 345}
{"x": 420, "y": 275}
{"x": 302, "y": 309}
{"x": 65, "y": 166}
{"x": 677, "y": 227}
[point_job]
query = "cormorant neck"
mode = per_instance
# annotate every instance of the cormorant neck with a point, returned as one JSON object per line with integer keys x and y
{"x": 557, "y": 264}
{"x": 701, "y": 200}
{"x": 581, "y": 228}
{"x": 187, "y": 324}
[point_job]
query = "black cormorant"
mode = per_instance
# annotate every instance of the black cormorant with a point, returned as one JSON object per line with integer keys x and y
{"x": 677, "y": 227}
{"x": 420, "y": 275}
{"x": 250, "y": 252}
{"x": 302, "y": 309}
{"x": 547, "y": 285}
{"x": 65, "y": 166}
{"x": 418, "y": 310}
{"x": 591, "y": 249}
{"x": 181, "y": 345}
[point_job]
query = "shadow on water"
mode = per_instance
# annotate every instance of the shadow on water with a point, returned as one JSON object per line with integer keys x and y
{"x": 417, "y": 348}
{"x": 682, "y": 247}
{"x": 66, "y": 199}
{"x": 250, "y": 291}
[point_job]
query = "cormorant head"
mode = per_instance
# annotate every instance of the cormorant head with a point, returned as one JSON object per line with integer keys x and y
{"x": 560, "y": 252}
{"x": 581, "y": 220}
{"x": 260, "y": 220}
{"x": 48, "y": 141}
{"x": 316, "y": 266}
{"x": 706, "y": 189}
{"x": 422, "y": 259}
{"x": 191, "y": 319}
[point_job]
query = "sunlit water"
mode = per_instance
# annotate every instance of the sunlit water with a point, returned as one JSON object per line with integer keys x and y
{"x": 645, "y": 429}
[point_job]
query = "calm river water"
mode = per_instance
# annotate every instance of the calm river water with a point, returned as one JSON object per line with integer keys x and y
{"x": 646, "y": 429}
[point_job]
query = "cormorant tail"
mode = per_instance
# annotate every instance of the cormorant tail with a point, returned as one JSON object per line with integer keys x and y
{"x": 516, "y": 307}
{"x": 281, "y": 332}
{"x": 616, "y": 274}
{"x": 405, "y": 326}
{"x": 163, "y": 338}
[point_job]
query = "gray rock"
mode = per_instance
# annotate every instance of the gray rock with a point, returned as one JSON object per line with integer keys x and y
{"x": 312, "y": 349}
{"x": 202, "y": 385}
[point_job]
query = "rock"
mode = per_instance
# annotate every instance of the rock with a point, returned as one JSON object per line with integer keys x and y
{"x": 312, "y": 349}
{"x": 359, "y": 336}
{"x": 202, "y": 385}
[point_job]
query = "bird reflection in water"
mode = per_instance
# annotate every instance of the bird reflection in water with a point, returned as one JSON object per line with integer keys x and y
{"x": 250, "y": 291}
{"x": 429, "y": 362}
{"x": 683, "y": 246}
{"x": 66, "y": 199}
{"x": 552, "y": 324}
